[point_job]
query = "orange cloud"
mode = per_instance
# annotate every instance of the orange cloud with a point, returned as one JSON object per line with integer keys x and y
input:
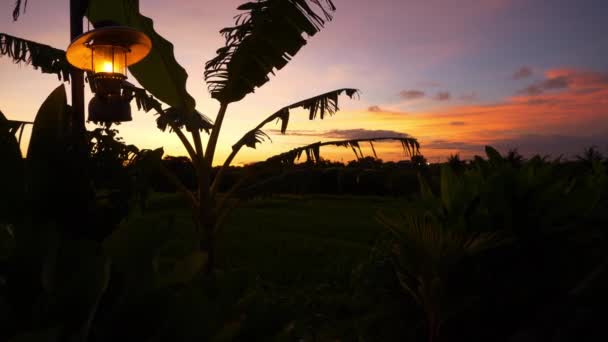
{"x": 566, "y": 116}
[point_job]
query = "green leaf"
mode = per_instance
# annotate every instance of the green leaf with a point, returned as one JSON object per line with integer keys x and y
{"x": 176, "y": 263}
{"x": 141, "y": 240}
{"x": 425, "y": 189}
{"x": 77, "y": 277}
{"x": 448, "y": 186}
{"x": 159, "y": 73}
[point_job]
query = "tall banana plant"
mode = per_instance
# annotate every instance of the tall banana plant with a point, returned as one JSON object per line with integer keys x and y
{"x": 265, "y": 37}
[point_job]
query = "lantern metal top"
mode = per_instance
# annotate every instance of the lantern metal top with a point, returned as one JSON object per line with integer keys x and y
{"x": 79, "y": 53}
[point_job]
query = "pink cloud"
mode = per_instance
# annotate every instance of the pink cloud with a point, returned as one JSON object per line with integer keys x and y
{"x": 569, "y": 112}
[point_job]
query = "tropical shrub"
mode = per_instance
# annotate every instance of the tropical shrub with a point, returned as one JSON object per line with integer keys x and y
{"x": 527, "y": 220}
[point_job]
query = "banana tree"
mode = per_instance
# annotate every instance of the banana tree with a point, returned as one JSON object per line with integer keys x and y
{"x": 266, "y": 35}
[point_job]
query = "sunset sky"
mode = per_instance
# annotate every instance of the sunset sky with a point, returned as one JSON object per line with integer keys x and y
{"x": 456, "y": 74}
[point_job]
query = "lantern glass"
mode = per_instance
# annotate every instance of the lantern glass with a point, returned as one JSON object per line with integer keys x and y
{"x": 109, "y": 59}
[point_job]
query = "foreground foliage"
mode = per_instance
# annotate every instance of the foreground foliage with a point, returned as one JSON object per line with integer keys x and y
{"x": 491, "y": 226}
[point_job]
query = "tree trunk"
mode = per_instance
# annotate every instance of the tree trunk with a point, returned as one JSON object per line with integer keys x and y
{"x": 208, "y": 239}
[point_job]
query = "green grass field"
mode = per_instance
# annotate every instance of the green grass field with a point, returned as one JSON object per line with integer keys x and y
{"x": 292, "y": 238}
{"x": 299, "y": 254}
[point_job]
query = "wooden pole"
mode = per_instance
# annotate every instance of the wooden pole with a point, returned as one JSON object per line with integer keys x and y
{"x": 78, "y": 194}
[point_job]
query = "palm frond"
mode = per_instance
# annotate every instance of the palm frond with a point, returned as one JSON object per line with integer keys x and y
{"x": 17, "y": 9}
{"x": 312, "y": 151}
{"x": 265, "y": 37}
{"x": 44, "y": 57}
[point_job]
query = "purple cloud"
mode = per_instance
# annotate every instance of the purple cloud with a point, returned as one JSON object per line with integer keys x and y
{"x": 469, "y": 97}
{"x": 357, "y": 133}
{"x": 443, "y": 96}
{"x": 411, "y": 94}
{"x": 523, "y": 72}
{"x": 554, "y": 83}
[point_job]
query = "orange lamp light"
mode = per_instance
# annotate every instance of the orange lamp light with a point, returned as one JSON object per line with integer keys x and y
{"x": 106, "y": 53}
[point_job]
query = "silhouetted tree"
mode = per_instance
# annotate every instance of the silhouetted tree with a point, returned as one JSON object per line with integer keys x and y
{"x": 590, "y": 156}
{"x": 514, "y": 158}
{"x": 456, "y": 163}
{"x": 419, "y": 160}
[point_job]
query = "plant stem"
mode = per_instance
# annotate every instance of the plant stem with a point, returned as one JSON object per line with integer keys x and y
{"x": 182, "y": 137}
{"x": 206, "y": 215}
{"x": 198, "y": 145}
{"x": 215, "y": 133}
{"x": 220, "y": 174}
{"x": 235, "y": 150}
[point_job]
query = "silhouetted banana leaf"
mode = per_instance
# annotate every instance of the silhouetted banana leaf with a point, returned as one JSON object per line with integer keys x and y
{"x": 51, "y": 126}
{"x": 254, "y": 137}
{"x": 264, "y": 38}
{"x": 494, "y": 156}
{"x": 11, "y": 174}
{"x": 172, "y": 117}
{"x": 17, "y": 9}
{"x": 317, "y": 106}
{"x": 313, "y": 155}
{"x": 16, "y": 128}
{"x": 46, "y": 58}
{"x": 371, "y": 144}
{"x": 159, "y": 73}
{"x": 321, "y": 105}
{"x": 52, "y": 174}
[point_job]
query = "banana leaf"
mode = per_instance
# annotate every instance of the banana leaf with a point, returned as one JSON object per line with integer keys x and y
{"x": 11, "y": 174}
{"x": 159, "y": 73}
{"x": 53, "y": 176}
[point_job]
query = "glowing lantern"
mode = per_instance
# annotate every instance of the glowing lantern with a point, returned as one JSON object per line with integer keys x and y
{"x": 106, "y": 53}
